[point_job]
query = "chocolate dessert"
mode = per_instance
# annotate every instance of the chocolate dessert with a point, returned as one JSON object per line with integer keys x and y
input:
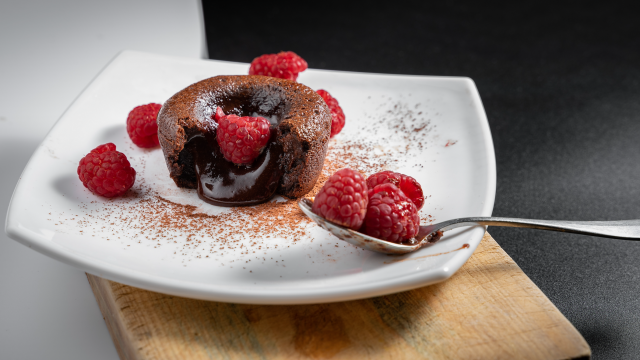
{"x": 289, "y": 165}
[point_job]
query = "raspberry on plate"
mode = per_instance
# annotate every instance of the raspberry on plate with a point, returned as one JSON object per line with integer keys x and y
{"x": 406, "y": 183}
{"x": 241, "y": 139}
{"x": 337, "y": 115}
{"x": 343, "y": 199}
{"x": 391, "y": 215}
{"x": 106, "y": 172}
{"x": 142, "y": 125}
{"x": 283, "y": 65}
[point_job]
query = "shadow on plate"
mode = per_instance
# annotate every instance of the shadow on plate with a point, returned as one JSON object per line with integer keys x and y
{"x": 71, "y": 188}
{"x": 113, "y": 134}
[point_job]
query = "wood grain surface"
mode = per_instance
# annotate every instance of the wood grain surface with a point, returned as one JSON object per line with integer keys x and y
{"x": 488, "y": 310}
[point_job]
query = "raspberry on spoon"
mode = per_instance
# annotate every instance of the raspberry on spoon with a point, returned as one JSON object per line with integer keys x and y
{"x": 106, "y": 172}
{"x": 343, "y": 199}
{"x": 283, "y": 65}
{"x": 241, "y": 139}
{"x": 337, "y": 115}
{"x": 406, "y": 183}
{"x": 391, "y": 215}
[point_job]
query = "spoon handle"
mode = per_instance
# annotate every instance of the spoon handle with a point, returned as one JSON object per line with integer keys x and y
{"x": 621, "y": 229}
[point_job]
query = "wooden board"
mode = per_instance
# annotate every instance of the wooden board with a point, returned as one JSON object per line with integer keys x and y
{"x": 488, "y": 310}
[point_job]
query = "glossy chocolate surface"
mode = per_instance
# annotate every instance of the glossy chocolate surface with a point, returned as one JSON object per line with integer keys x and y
{"x": 223, "y": 183}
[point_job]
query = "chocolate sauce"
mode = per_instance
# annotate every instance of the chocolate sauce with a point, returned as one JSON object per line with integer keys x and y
{"x": 223, "y": 183}
{"x": 430, "y": 240}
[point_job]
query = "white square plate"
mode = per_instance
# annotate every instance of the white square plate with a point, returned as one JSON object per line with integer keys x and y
{"x": 432, "y": 128}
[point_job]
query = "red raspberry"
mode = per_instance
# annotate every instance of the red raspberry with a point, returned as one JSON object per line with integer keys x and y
{"x": 391, "y": 215}
{"x": 337, "y": 115}
{"x": 406, "y": 183}
{"x": 106, "y": 172}
{"x": 343, "y": 199}
{"x": 283, "y": 65}
{"x": 142, "y": 125}
{"x": 241, "y": 139}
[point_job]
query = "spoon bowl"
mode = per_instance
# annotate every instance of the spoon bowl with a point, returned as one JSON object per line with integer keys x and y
{"x": 359, "y": 239}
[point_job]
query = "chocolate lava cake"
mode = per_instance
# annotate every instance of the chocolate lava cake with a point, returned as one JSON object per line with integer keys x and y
{"x": 289, "y": 165}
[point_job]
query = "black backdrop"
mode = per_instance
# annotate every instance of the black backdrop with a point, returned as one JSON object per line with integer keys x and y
{"x": 560, "y": 82}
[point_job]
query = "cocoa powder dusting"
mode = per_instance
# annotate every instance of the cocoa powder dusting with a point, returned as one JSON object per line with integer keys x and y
{"x": 145, "y": 216}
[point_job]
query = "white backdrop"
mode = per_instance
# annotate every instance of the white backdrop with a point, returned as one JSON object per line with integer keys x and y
{"x": 49, "y": 51}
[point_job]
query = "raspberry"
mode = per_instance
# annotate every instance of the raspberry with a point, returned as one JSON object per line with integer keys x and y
{"x": 142, "y": 125}
{"x": 406, "y": 183}
{"x": 241, "y": 139}
{"x": 283, "y": 65}
{"x": 106, "y": 172}
{"x": 391, "y": 215}
{"x": 343, "y": 199}
{"x": 337, "y": 115}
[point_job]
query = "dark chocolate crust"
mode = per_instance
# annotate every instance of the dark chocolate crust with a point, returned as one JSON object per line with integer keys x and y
{"x": 304, "y": 124}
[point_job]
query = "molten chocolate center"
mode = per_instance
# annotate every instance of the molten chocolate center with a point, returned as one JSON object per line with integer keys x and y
{"x": 223, "y": 183}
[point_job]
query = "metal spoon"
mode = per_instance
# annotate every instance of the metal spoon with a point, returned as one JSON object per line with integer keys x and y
{"x": 430, "y": 234}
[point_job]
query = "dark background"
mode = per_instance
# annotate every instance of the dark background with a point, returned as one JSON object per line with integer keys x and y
{"x": 560, "y": 82}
